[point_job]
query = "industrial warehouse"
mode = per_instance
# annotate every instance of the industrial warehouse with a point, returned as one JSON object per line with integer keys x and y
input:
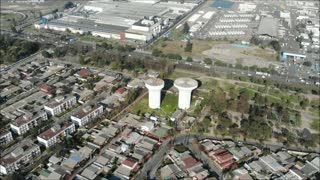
{"x": 136, "y": 20}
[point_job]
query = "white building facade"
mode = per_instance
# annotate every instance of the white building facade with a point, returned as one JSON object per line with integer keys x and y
{"x": 51, "y": 136}
{"x": 19, "y": 157}
{"x": 86, "y": 115}
{"x": 5, "y": 137}
{"x": 60, "y": 104}
{"x": 28, "y": 121}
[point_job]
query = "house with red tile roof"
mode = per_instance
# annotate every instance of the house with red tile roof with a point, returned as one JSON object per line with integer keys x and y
{"x": 83, "y": 74}
{"x": 190, "y": 162}
{"x": 120, "y": 90}
{"x": 223, "y": 158}
{"x": 46, "y": 88}
{"x": 130, "y": 163}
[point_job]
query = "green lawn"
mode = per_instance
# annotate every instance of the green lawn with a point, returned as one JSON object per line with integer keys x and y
{"x": 180, "y": 148}
{"x": 168, "y": 106}
{"x": 179, "y": 74}
{"x": 316, "y": 124}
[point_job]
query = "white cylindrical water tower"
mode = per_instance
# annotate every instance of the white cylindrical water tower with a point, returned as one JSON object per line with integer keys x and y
{"x": 185, "y": 87}
{"x": 154, "y": 86}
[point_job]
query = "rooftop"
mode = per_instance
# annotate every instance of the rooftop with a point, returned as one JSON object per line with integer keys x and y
{"x": 59, "y": 100}
{"x": 3, "y": 132}
{"x": 268, "y": 26}
{"x": 154, "y": 82}
{"x": 22, "y": 149}
{"x": 129, "y": 162}
{"x": 26, "y": 118}
{"x": 190, "y": 162}
{"x": 186, "y": 83}
{"x": 53, "y": 131}
{"x": 85, "y": 111}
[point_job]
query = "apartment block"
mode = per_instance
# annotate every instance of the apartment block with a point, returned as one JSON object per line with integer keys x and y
{"x": 52, "y": 136}
{"x": 29, "y": 120}
{"x": 60, "y": 104}
{"x": 86, "y": 115}
{"x": 19, "y": 157}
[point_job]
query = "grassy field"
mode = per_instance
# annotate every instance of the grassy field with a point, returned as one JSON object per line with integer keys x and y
{"x": 6, "y": 19}
{"x": 178, "y": 74}
{"x": 265, "y": 54}
{"x": 168, "y": 106}
{"x": 316, "y": 124}
{"x": 177, "y": 46}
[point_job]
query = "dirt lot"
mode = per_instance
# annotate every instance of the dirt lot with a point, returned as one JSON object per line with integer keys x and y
{"x": 248, "y": 56}
{"x": 221, "y": 50}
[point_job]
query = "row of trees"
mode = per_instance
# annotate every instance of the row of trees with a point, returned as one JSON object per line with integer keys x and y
{"x": 159, "y": 53}
{"x": 13, "y": 49}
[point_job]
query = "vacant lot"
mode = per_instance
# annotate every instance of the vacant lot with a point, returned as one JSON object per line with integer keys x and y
{"x": 221, "y": 50}
{"x": 7, "y": 18}
{"x": 249, "y": 56}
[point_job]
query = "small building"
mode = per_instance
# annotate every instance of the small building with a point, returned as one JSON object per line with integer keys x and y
{"x": 46, "y": 88}
{"x": 177, "y": 115}
{"x": 135, "y": 83}
{"x": 83, "y": 74}
{"x": 91, "y": 172}
{"x": 105, "y": 82}
{"x": 147, "y": 126}
{"x": 222, "y": 158}
{"x": 270, "y": 162}
{"x": 312, "y": 167}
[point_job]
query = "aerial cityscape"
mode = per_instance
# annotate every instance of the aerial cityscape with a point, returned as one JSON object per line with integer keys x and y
{"x": 159, "y": 89}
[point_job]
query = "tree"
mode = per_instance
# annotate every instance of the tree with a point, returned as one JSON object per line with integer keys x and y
{"x": 307, "y": 63}
{"x": 81, "y": 60}
{"x": 68, "y": 5}
{"x": 188, "y": 47}
{"x": 40, "y": 14}
{"x": 217, "y": 100}
{"x": 275, "y": 45}
{"x": 54, "y": 11}
{"x": 156, "y": 52}
{"x": 14, "y": 29}
{"x": 186, "y": 28}
{"x": 46, "y": 54}
{"x": 189, "y": 59}
{"x": 207, "y": 61}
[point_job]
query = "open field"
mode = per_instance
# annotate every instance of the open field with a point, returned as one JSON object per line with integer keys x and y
{"x": 177, "y": 47}
{"x": 221, "y": 50}
{"x": 249, "y": 56}
{"x": 6, "y": 19}
{"x": 168, "y": 106}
